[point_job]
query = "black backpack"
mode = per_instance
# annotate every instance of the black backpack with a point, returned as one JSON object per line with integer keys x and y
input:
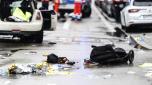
{"x": 52, "y": 58}
{"x": 107, "y": 54}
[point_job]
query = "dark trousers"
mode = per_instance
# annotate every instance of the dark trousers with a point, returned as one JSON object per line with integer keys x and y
{"x": 45, "y": 5}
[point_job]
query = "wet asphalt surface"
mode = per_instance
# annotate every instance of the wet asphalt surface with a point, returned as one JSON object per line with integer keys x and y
{"x": 73, "y": 39}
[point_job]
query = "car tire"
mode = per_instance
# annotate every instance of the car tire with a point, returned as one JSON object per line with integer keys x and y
{"x": 25, "y": 39}
{"x": 126, "y": 29}
{"x": 86, "y": 10}
{"x": 39, "y": 37}
{"x": 131, "y": 56}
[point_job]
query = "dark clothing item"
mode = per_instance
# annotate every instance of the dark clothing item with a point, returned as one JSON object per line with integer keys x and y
{"x": 45, "y": 5}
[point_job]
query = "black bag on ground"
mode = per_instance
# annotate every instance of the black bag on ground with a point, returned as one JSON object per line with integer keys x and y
{"x": 52, "y": 58}
{"x": 107, "y": 54}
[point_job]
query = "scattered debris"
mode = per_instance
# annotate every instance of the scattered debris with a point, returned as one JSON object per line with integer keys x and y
{"x": 89, "y": 64}
{"x": 51, "y": 43}
{"x": 138, "y": 46}
{"x": 146, "y": 65}
{"x": 40, "y": 68}
{"x": 107, "y": 54}
{"x": 52, "y": 58}
{"x": 120, "y": 33}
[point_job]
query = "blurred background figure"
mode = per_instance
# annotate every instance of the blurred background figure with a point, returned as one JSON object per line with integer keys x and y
{"x": 77, "y": 9}
{"x": 45, "y": 4}
{"x": 56, "y": 5}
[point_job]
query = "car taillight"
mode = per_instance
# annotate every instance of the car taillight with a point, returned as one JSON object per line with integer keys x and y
{"x": 133, "y": 10}
{"x": 38, "y": 16}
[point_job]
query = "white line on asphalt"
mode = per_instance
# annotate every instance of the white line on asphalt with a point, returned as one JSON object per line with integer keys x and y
{"x": 67, "y": 24}
{"x": 110, "y": 27}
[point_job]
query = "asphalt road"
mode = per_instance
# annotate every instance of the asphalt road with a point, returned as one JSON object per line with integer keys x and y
{"x": 73, "y": 39}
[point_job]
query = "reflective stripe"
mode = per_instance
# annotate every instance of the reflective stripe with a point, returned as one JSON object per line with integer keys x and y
{"x": 19, "y": 14}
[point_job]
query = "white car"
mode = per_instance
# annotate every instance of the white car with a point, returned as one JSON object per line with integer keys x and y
{"x": 27, "y": 31}
{"x": 137, "y": 13}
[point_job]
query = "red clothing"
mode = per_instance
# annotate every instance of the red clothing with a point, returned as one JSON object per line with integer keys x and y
{"x": 56, "y": 5}
{"x": 77, "y": 8}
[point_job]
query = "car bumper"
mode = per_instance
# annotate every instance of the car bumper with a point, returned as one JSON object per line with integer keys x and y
{"x": 21, "y": 26}
{"x": 141, "y": 25}
{"x": 65, "y": 10}
{"x": 19, "y": 33}
{"x": 139, "y": 22}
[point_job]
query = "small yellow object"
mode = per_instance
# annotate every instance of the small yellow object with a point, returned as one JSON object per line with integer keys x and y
{"x": 39, "y": 65}
{"x": 12, "y": 66}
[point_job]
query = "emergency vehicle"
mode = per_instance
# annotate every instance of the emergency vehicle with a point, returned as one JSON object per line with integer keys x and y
{"x": 67, "y": 6}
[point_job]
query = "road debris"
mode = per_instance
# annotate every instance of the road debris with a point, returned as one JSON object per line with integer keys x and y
{"x": 119, "y": 33}
{"x": 53, "y": 58}
{"x": 140, "y": 42}
{"x": 42, "y": 68}
{"x": 89, "y": 64}
{"x": 51, "y": 43}
{"x": 107, "y": 54}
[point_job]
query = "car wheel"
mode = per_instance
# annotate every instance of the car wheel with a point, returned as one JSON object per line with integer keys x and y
{"x": 86, "y": 11}
{"x": 131, "y": 56}
{"x": 123, "y": 27}
{"x": 26, "y": 39}
{"x": 126, "y": 29}
{"x": 39, "y": 37}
